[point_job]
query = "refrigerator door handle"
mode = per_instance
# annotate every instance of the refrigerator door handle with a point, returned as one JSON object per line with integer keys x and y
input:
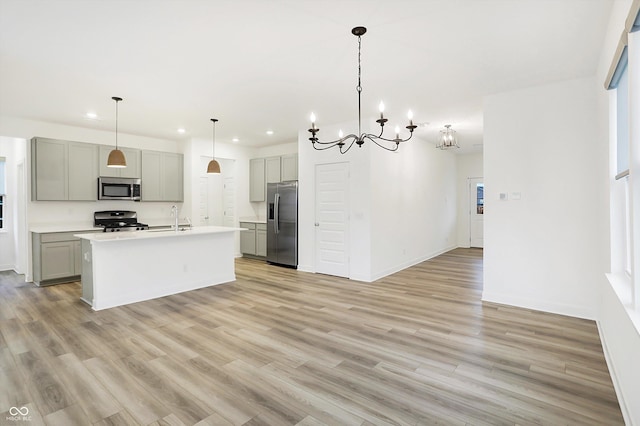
{"x": 276, "y": 213}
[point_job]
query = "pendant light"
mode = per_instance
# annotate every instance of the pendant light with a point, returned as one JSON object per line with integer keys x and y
{"x": 448, "y": 138}
{"x": 116, "y": 157}
{"x": 214, "y": 166}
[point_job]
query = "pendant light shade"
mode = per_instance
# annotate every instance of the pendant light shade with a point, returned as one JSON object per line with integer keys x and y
{"x": 116, "y": 157}
{"x": 214, "y": 166}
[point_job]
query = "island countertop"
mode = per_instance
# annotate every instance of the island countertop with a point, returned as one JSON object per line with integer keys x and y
{"x": 155, "y": 233}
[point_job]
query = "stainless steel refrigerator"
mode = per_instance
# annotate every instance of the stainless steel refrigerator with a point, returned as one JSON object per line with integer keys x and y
{"x": 282, "y": 223}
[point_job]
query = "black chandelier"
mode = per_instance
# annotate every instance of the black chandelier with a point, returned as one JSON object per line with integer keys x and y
{"x": 346, "y": 142}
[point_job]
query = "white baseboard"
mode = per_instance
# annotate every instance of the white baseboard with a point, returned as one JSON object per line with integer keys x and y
{"x": 539, "y": 305}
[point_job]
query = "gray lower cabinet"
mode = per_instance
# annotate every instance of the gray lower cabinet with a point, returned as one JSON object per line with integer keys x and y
{"x": 253, "y": 243}
{"x": 261, "y": 239}
{"x": 57, "y": 257}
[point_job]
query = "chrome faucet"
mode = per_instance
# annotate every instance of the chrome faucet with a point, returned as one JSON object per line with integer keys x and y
{"x": 174, "y": 213}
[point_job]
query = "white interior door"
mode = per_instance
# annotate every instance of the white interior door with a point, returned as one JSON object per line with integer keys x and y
{"x": 476, "y": 212}
{"x": 217, "y": 206}
{"x": 203, "y": 203}
{"x": 229, "y": 201}
{"x": 332, "y": 219}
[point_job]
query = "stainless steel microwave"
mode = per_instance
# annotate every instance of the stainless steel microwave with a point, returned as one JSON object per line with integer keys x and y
{"x": 113, "y": 188}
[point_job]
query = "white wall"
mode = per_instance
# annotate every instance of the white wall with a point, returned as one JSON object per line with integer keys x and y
{"x": 469, "y": 166}
{"x": 413, "y": 206}
{"x": 402, "y": 205}
{"x": 545, "y": 251}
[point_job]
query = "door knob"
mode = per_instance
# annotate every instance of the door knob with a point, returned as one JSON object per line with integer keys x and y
{"x": 317, "y": 224}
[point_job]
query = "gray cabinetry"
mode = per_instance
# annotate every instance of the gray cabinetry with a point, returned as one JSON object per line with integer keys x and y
{"x": 289, "y": 167}
{"x": 162, "y": 176}
{"x": 57, "y": 257}
{"x": 50, "y": 167}
{"x": 270, "y": 170}
{"x": 83, "y": 171}
{"x": 253, "y": 243}
{"x": 63, "y": 170}
{"x": 133, "y": 157}
{"x": 272, "y": 173}
{"x": 257, "y": 183}
{"x": 248, "y": 238}
{"x": 261, "y": 239}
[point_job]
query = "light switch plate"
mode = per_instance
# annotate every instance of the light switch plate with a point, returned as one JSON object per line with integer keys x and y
{"x": 504, "y": 196}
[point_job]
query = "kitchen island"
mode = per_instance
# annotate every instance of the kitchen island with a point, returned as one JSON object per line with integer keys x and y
{"x": 119, "y": 268}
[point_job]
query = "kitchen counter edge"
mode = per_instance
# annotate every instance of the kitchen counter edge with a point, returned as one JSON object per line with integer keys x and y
{"x": 141, "y": 235}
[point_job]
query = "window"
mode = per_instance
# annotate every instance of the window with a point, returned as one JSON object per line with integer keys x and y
{"x": 622, "y": 118}
{"x": 480, "y": 198}
{"x": 623, "y": 82}
{"x": 627, "y": 231}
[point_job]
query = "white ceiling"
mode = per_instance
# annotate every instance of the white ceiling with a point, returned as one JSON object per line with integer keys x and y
{"x": 266, "y": 64}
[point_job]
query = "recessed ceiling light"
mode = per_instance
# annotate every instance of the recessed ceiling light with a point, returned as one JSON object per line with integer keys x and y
{"x": 235, "y": 140}
{"x": 91, "y": 115}
{"x": 269, "y": 132}
{"x": 181, "y": 130}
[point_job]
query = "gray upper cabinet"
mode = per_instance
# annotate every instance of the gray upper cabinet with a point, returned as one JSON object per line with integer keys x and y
{"x": 83, "y": 171}
{"x": 272, "y": 173}
{"x": 50, "y": 167}
{"x": 256, "y": 179}
{"x": 173, "y": 176}
{"x": 133, "y": 157}
{"x": 162, "y": 176}
{"x": 270, "y": 170}
{"x": 289, "y": 167}
{"x": 63, "y": 170}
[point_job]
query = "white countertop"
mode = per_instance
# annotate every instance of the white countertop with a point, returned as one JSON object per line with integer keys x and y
{"x": 253, "y": 219}
{"x": 139, "y": 235}
{"x": 42, "y": 228}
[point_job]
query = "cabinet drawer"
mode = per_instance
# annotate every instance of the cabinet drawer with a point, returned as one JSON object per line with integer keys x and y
{"x": 248, "y": 225}
{"x": 261, "y": 226}
{"x": 55, "y": 237}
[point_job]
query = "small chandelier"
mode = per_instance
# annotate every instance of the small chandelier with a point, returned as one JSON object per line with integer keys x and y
{"x": 214, "y": 166}
{"x": 447, "y": 138}
{"x": 116, "y": 157}
{"x": 344, "y": 143}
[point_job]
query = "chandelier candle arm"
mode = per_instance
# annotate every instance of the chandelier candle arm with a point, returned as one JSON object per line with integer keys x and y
{"x": 345, "y": 143}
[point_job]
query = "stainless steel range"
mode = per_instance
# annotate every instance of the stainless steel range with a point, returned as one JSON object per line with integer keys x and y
{"x": 118, "y": 221}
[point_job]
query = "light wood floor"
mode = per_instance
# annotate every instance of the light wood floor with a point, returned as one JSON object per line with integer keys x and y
{"x": 282, "y": 347}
